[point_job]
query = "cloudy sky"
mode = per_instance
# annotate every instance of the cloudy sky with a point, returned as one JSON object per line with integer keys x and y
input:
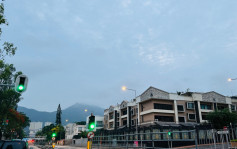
{"x": 83, "y": 51}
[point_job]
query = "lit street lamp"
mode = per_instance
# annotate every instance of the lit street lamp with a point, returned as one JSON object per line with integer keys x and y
{"x": 124, "y": 88}
{"x": 230, "y": 79}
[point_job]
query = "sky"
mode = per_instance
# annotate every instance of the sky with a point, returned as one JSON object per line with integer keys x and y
{"x": 84, "y": 51}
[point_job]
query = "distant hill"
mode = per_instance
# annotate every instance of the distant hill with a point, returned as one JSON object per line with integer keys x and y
{"x": 73, "y": 113}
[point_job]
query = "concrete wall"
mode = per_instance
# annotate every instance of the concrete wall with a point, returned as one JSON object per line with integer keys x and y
{"x": 80, "y": 142}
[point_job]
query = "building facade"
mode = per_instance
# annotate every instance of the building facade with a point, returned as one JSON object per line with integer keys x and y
{"x": 158, "y": 106}
{"x": 34, "y": 128}
{"x": 73, "y": 129}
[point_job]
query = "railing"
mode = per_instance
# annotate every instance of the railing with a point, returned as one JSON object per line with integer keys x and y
{"x": 139, "y": 140}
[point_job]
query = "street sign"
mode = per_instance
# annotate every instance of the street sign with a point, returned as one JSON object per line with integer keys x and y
{"x": 90, "y": 135}
{"x": 222, "y": 132}
{"x": 225, "y": 128}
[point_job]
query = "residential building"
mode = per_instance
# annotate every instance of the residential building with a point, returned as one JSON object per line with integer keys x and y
{"x": 72, "y": 129}
{"x": 158, "y": 106}
{"x": 47, "y": 123}
{"x": 34, "y": 128}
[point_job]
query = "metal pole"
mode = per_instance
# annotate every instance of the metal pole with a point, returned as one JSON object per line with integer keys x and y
{"x": 127, "y": 142}
{"x": 214, "y": 138}
{"x": 195, "y": 139}
{"x": 227, "y": 140}
{"x": 222, "y": 140}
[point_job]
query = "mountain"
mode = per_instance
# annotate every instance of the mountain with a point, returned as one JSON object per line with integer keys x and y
{"x": 74, "y": 113}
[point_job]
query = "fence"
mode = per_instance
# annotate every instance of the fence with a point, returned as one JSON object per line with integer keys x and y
{"x": 145, "y": 140}
{"x": 156, "y": 139}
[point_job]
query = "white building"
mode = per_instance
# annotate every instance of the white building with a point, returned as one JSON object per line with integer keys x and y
{"x": 73, "y": 129}
{"x": 35, "y": 127}
{"x": 99, "y": 122}
{"x": 47, "y": 123}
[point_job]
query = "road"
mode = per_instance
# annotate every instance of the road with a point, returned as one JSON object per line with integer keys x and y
{"x": 58, "y": 147}
{"x": 68, "y": 147}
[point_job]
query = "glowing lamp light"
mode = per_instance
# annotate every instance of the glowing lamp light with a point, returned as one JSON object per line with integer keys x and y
{"x": 124, "y": 88}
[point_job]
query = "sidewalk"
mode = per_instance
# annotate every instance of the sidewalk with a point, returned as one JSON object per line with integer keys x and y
{"x": 33, "y": 147}
{"x": 205, "y": 146}
{"x": 68, "y": 147}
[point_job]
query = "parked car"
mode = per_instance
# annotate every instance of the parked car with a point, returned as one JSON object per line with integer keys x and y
{"x": 1, "y": 143}
{"x": 13, "y": 145}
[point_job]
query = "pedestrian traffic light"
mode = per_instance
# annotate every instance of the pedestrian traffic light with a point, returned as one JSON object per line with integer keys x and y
{"x": 169, "y": 133}
{"x": 91, "y": 125}
{"x": 21, "y": 83}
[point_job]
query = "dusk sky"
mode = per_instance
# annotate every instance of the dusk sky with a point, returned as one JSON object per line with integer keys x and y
{"x": 84, "y": 51}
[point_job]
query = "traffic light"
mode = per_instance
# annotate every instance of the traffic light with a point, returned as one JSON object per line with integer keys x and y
{"x": 7, "y": 121}
{"x": 21, "y": 83}
{"x": 91, "y": 125}
{"x": 54, "y": 134}
{"x": 169, "y": 133}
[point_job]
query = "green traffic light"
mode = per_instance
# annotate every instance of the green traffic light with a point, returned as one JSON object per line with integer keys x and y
{"x": 92, "y": 126}
{"x": 53, "y": 134}
{"x": 169, "y": 133}
{"x": 20, "y": 87}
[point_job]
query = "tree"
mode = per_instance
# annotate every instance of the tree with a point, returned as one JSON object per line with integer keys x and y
{"x": 46, "y": 131}
{"x": 221, "y": 118}
{"x": 81, "y": 123}
{"x": 60, "y": 131}
{"x": 8, "y": 97}
{"x": 58, "y": 115}
{"x": 83, "y": 134}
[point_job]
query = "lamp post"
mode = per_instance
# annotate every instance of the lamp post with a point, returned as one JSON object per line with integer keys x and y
{"x": 124, "y": 88}
{"x": 231, "y": 79}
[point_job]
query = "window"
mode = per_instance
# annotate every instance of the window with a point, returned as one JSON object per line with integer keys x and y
{"x": 165, "y": 118}
{"x": 163, "y": 106}
{"x": 99, "y": 123}
{"x": 190, "y": 105}
{"x": 206, "y": 106}
{"x": 133, "y": 122}
{"x": 125, "y": 112}
{"x": 132, "y": 112}
{"x": 180, "y": 108}
{"x": 142, "y": 107}
{"x": 233, "y": 108}
{"x": 111, "y": 116}
{"x": 117, "y": 115}
{"x": 111, "y": 125}
{"x": 204, "y": 117}
{"x": 191, "y": 116}
{"x": 124, "y": 122}
{"x": 181, "y": 119}
{"x": 221, "y": 107}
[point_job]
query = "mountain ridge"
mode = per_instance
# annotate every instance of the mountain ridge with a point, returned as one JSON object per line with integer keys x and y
{"x": 74, "y": 113}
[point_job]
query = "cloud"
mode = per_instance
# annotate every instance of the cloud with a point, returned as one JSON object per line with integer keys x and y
{"x": 126, "y": 3}
{"x": 157, "y": 54}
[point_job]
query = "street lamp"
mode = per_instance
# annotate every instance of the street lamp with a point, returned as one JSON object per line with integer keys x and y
{"x": 230, "y": 79}
{"x": 124, "y": 88}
